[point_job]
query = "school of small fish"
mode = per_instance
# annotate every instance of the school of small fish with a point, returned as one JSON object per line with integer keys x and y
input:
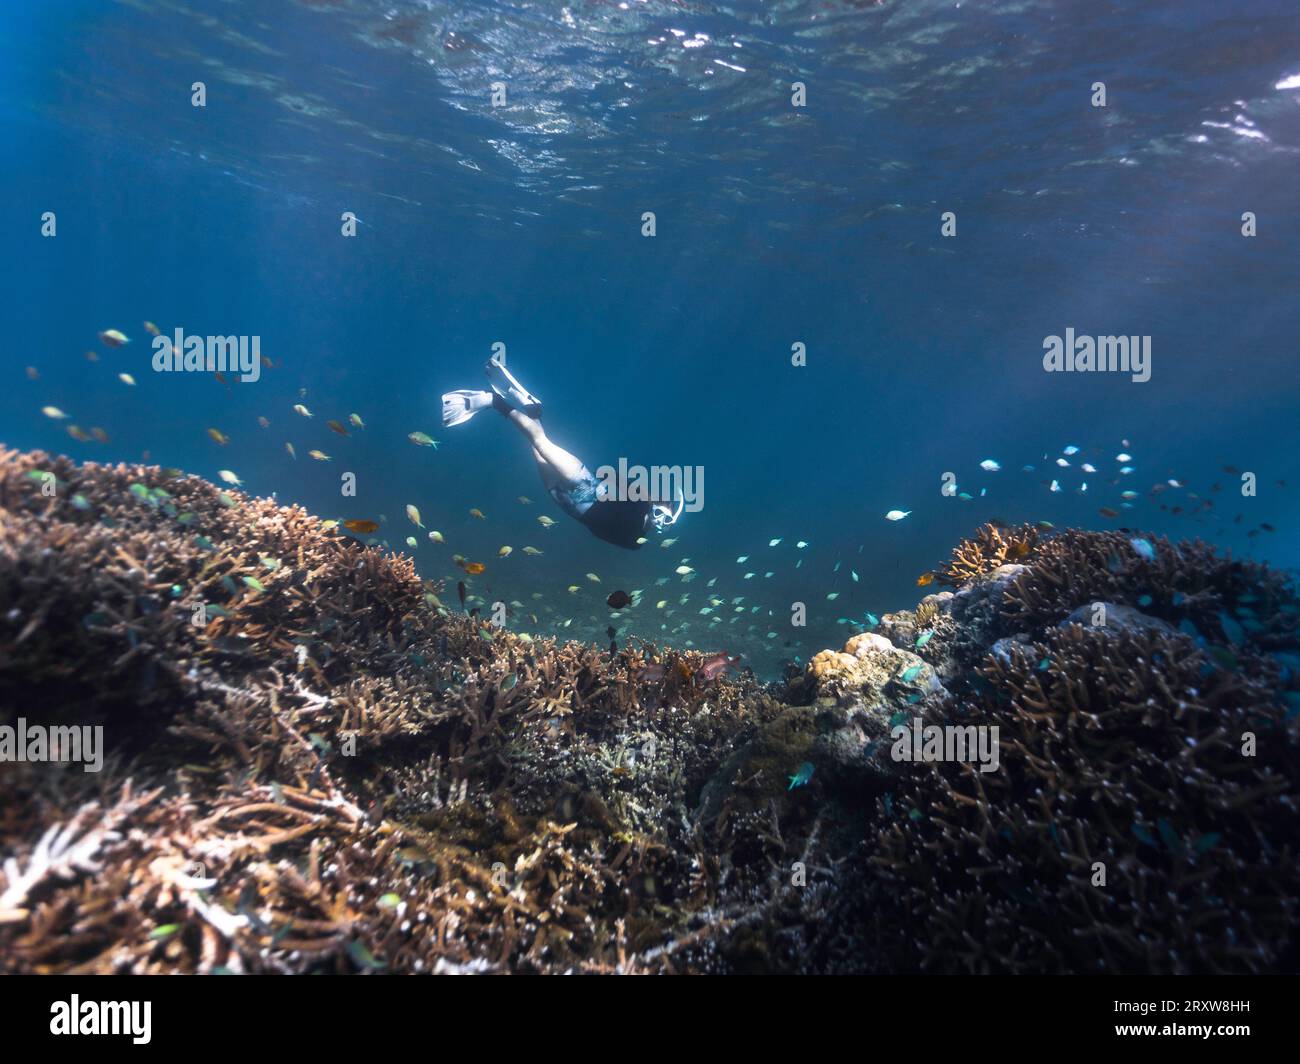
{"x": 1107, "y": 480}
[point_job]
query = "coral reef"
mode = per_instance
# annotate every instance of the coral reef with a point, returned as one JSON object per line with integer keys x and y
{"x": 338, "y": 774}
{"x": 314, "y": 766}
{"x": 1143, "y": 817}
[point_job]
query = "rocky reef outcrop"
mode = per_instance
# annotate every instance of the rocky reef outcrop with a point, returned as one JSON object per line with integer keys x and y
{"x": 312, "y": 764}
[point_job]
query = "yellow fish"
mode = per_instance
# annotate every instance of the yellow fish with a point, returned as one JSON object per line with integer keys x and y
{"x": 298, "y": 408}
{"x": 574, "y": 589}
{"x": 410, "y": 542}
{"x": 126, "y": 378}
{"x": 476, "y": 512}
{"x": 292, "y": 454}
{"x": 414, "y": 515}
{"x": 545, "y": 521}
{"x": 356, "y": 421}
{"x": 229, "y": 477}
{"x": 53, "y": 411}
{"x": 113, "y": 338}
{"x": 436, "y": 537}
{"x": 320, "y": 456}
{"x": 219, "y": 437}
{"x": 151, "y": 328}
{"x": 505, "y": 552}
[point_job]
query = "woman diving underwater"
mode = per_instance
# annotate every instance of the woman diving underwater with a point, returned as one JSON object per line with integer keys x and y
{"x": 623, "y": 522}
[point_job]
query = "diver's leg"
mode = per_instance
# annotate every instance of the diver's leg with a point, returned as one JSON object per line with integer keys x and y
{"x": 553, "y": 461}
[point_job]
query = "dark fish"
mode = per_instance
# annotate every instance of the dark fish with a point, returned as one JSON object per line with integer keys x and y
{"x": 460, "y": 590}
{"x": 1106, "y": 511}
{"x": 716, "y": 664}
{"x": 618, "y": 599}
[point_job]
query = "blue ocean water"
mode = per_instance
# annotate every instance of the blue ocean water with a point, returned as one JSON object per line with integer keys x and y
{"x": 520, "y": 222}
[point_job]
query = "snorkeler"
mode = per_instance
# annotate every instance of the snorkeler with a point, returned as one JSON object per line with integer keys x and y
{"x": 622, "y": 522}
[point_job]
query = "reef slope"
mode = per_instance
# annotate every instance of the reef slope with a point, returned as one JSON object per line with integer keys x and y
{"x": 315, "y": 766}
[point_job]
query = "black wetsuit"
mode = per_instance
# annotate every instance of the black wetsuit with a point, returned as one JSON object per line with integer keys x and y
{"x": 620, "y": 522}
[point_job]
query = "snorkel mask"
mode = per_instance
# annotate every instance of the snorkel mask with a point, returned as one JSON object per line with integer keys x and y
{"x": 663, "y": 517}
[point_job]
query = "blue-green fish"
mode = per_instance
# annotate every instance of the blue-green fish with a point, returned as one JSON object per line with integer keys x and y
{"x": 802, "y": 776}
{"x": 1144, "y": 548}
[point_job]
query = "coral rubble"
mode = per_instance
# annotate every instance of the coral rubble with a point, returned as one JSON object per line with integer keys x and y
{"x": 313, "y": 765}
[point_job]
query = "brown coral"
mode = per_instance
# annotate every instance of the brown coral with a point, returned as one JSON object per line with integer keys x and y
{"x": 1125, "y": 832}
{"x": 342, "y": 776}
{"x": 991, "y": 547}
{"x": 330, "y": 772}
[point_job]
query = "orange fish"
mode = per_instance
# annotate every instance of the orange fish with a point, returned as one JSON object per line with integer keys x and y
{"x": 336, "y": 427}
{"x": 361, "y": 526}
{"x": 925, "y": 580}
{"x": 474, "y": 568}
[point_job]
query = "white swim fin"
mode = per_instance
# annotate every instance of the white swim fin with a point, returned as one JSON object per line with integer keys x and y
{"x": 458, "y": 407}
{"x": 515, "y": 395}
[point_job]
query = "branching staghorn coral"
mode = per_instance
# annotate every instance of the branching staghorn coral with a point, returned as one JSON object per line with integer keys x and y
{"x": 992, "y": 546}
{"x": 344, "y": 776}
{"x": 1126, "y": 830}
